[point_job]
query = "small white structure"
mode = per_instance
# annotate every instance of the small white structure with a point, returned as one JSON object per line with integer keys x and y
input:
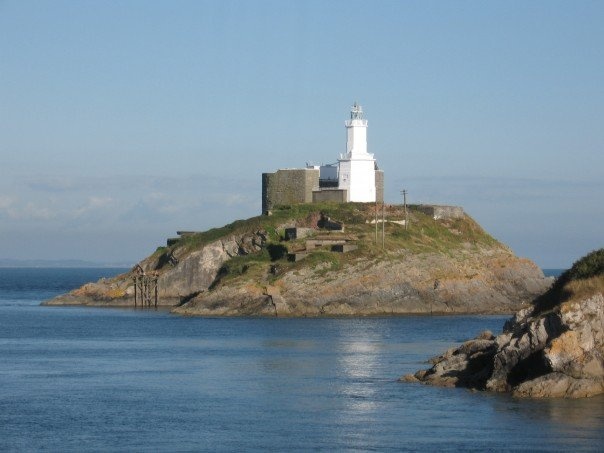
{"x": 354, "y": 177}
{"x": 356, "y": 172}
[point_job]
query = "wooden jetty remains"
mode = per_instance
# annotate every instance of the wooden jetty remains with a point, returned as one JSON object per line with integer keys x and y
{"x": 145, "y": 287}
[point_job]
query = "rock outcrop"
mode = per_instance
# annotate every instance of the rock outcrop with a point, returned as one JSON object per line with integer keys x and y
{"x": 479, "y": 282}
{"x": 182, "y": 272}
{"x": 555, "y": 348}
{"x": 436, "y": 266}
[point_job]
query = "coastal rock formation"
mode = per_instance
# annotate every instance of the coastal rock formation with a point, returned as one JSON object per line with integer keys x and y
{"x": 477, "y": 282}
{"x": 183, "y": 272}
{"x": 555, "y": 348}
{"x": 436, "y": 266}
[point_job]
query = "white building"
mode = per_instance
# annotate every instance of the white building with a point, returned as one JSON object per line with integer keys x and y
{"x": 356, "y": 172}
{"x": 355, "y": 177}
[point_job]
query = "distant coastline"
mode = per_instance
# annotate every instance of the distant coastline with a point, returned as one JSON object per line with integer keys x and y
{"x": 15, "y": 263}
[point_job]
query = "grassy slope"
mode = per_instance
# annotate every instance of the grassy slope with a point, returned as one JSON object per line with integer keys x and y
{"x": 584, "y": 278}
{"x": 424, "y": 235}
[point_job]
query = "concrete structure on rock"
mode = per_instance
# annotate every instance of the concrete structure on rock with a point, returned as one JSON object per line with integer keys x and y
{"x": 354, "y": 177}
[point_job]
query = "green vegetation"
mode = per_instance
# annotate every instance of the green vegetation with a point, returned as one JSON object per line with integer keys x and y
{"x": 252, "y": 265}
{"x": 160, "y": 250}
{"x": 424, "y": 235}
{"x": 424, "y": 232}
{"x": 584, "y": 277}
{"x": 427, "y": 235}
{"x": 348, "y": 213}
{"x": 198, "y": 240}
{"x": 322, "y": 261}
{"x": 590, "y": 265}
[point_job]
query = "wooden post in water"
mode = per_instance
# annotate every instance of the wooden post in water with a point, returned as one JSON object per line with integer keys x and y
{"x": 141, "y": 287}
{"x": 134, "y": 278}
{"x": 145, "y": 292}
{"x": 145, "y": 287}
{"x": 155, "y": 291}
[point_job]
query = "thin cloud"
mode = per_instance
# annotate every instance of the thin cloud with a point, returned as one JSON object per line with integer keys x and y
{"x": 93, "y": 204}
{"x": 30, "y": 212}
{"x": 52, "y": 183}
{"x": 6, "y": 201}
{"x": 458, "y": 189}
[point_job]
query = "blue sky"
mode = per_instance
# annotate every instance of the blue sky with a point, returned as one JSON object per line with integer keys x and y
{"x": 122, "y": 122}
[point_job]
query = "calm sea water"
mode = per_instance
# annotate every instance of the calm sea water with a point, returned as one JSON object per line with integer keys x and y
{"x": 81, "y": 379}
{"x": 553, "y": 272}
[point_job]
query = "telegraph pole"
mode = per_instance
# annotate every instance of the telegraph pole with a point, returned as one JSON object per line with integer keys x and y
{"x": 376, "y": 220}
{"x": 383, "y": 226}
{"x": 404, "y": 193}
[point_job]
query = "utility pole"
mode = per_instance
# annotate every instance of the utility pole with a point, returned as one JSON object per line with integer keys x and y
{"x": 376, "y": 215}
{"x": 404, "y": 193}
{"x": 383, "y": 226}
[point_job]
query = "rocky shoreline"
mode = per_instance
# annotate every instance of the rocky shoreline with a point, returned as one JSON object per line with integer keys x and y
{"x": 438, "y": 267}
{"x": 485, "y": 282}
{"x": 479, "y": 283}
{"x": 554, "y": 348}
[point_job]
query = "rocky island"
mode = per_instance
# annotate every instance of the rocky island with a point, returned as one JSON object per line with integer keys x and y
{"x": 554, "y": 348}
{"x": 330, "y": 259}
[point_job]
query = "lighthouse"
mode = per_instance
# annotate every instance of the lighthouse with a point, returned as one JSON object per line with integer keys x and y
{"x": 357, "y": 167}
{"x": 354, "y": 177}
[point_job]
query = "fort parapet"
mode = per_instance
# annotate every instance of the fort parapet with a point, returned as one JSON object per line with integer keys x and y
{"x": 288, "y": 186}
{"x": 440, "y": 212}
{"x": 302, "y": 185}
{"x": 355, "y": 177}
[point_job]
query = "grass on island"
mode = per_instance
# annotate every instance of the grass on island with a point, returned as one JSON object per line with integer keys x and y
{"x": 423, "y": 235}
{"x": 583, "y": 279}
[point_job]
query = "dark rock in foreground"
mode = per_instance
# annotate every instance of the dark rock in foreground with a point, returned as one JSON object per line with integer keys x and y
{"x": 553, "y": 349}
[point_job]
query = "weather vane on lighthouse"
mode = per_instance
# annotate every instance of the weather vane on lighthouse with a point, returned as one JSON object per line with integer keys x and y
{"x": 356, "y": 112}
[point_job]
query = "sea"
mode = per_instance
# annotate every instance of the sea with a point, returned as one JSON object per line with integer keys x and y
{"x": 106, "y": 379}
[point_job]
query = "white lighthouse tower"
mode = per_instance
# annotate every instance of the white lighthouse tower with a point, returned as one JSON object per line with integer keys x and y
{"x": 357, "y": 167}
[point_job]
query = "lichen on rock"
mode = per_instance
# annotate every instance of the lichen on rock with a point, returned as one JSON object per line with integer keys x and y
{"x": 242, "y": 269}
{"x": 555, "y": 348}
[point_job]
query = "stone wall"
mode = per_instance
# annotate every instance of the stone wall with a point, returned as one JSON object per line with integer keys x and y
{"x": 329, "y": 195}
{"x": 289, "y": 186}
{"x": 294, "y": 233}
{"x": 438, "y": 212}
{"x": 301, "y": 185}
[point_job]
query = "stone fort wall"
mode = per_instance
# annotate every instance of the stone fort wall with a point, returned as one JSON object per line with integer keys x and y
{"x": 438, "y": 212}
{"x": 301, "y": 185}
{"x": 288, "y": 186}
{"x": 330, "y": 195}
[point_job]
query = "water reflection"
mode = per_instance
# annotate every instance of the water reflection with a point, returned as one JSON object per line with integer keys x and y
{"x": 357, "y": 350}
{"x": 586, "y": 413}
{"x": 582, "y": 413}
{"x": 170, "y": 383}
{"x": 287, "y": 343}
